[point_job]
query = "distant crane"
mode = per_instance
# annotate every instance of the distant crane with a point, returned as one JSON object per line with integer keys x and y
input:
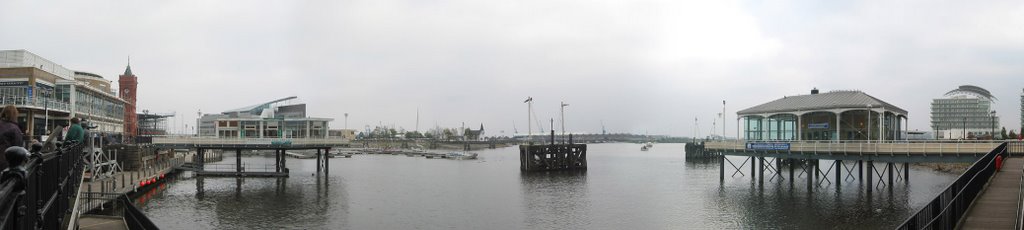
{"x": 602, "y": 128}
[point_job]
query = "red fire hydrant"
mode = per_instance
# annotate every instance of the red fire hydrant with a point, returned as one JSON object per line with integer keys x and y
{"x": 999, "y": 162}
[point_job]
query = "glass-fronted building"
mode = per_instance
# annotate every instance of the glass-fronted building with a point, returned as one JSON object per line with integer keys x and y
{"x": 964, "y": 113}
{"x": 47, "y": 95}
{"x": 836, "y": 115}
{"x": 265, "y": 120}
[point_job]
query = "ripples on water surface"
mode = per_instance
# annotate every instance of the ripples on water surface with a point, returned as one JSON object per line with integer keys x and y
{"x": 624, "y": 188}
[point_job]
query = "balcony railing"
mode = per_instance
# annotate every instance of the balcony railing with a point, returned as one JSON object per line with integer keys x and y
{"x": 940, "y": 147}
{"x": 41, "y": 103}
{"x": 247, "y": 141}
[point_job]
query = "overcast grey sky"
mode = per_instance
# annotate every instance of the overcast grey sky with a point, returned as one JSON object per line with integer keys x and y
{"x": 638, "y": 65}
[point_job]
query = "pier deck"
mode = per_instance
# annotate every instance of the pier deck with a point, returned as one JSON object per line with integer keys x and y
{"x": 888, "y": 151}
{"x": 996, "y": 207}
{"x": 123, "y": 183}
{"x": 90, "y": 222}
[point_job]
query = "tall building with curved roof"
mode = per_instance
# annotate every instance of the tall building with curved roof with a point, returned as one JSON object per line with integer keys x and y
{"x": 964, "y": 112}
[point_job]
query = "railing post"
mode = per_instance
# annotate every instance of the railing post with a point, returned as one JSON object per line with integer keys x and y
{"x": 16, "y": 158}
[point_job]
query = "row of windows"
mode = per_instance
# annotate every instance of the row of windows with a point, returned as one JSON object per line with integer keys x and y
{"x": 88, "y": 102}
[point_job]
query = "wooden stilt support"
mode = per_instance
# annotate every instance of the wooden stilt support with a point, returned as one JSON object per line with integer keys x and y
{"x": 721, "y": 168}
{"x": 753, "y": 168}
{"x": 906, "y": 173}
{"x": 839, "y": 170}
{"x": 760, "y": 167}
{"x": 860, "y": 171}
{"x": 778, "y": 167}
{"x": 871, "y": 177}
{"x": 890, "y": 165}
{"x": 238, "y": 160}
{"x": 789, "y": 163}
{"x": 817, "y": 171}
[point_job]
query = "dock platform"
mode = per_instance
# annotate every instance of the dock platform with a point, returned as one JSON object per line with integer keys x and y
{"x": 996, "y": 207}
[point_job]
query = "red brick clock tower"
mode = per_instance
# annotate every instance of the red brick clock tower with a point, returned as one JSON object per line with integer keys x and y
{"x": 127, "y": 83}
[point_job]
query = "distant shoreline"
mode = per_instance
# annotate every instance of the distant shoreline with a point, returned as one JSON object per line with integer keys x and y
{"x": 951, "y": 168}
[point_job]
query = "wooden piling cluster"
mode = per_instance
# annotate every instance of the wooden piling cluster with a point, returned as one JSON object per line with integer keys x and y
{"x": 132, "y": 156}
{"x": 552, "y": 157}
{"x": 697, "y": 150}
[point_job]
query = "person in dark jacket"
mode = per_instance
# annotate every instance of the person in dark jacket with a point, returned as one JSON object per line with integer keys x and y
{"x": 75, "y": 131}
{"x": 10, "y": 133}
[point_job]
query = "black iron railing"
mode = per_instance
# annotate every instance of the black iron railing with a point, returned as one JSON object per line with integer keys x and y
{"x": 1016, "y": 148}
{"x": 116, "y": 204}
{"x": 945, "y": 211}
{"x": 37, "y": 189}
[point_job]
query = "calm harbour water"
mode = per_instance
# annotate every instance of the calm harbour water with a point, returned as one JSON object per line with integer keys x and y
{"x": 624, "y": 188}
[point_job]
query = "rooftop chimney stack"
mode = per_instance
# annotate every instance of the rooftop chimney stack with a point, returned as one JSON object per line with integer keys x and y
{"x": 814, "y": 91}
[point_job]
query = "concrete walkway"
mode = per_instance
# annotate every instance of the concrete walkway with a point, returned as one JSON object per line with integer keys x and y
{"x": 996, "y": 208}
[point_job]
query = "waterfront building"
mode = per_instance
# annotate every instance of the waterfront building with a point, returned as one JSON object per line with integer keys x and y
{"x": 1022, "y": 111}
{"x": 836, "y": 115}
{"x": 273, "y": 119}
{"x": 475, "y": 134}
{"x": 48, "y": 94}
{"x": 349, "y": 134}
{"x": 964, "y": 112}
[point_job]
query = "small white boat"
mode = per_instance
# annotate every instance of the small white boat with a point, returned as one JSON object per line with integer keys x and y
{"x": 461, "y": 156}
{"x": 644, "y": 148}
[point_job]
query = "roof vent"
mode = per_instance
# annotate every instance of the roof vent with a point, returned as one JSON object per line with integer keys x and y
{"x": 814, "y": 91}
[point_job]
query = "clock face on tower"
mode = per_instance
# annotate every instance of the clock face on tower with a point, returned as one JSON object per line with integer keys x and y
{"x": 126, "y": 91}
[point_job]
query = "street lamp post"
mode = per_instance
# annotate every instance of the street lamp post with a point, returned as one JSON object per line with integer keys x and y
{"x": 346, "y": 120}
{"x": 529, "y": 112}
{"x": 46, "y": 112}
{"x": 563, "y": 119}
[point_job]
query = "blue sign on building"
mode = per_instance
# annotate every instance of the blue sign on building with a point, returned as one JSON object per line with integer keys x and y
{"x": 817, "y": 126}
{"x": 767, "y": 146}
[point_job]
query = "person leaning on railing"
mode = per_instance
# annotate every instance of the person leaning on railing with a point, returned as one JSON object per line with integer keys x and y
{"x": 75, "y": 131}
{"x": 10, "y": 133}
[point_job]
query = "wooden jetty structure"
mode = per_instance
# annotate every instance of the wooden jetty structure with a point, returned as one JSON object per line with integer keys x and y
{"x": 553, "y": 156}
{"x": 873, "y": 162}
{"x": 279, "y": 145}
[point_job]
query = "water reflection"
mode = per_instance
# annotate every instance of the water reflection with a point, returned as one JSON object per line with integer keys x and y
{"x": 557, "y": 198}
{"x": 812, "y": 200}
{"x": 624, "y": 188}
{"x": 248, "y": 203}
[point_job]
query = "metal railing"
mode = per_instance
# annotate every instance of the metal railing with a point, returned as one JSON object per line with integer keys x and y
{"x": 1016, "y": 148}
{"x": 247, "y": 141}
{"x": 246, "y": 167}
{"x": 37, "y": 189}
{"x": 123, "y": 207}
{"x": 939, "y": 147}
{"x": 42, "y": 103}
{"x": 946, "y": 210}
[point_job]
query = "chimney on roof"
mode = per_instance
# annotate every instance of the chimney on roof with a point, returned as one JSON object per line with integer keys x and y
{"x": 814, "y": 91}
